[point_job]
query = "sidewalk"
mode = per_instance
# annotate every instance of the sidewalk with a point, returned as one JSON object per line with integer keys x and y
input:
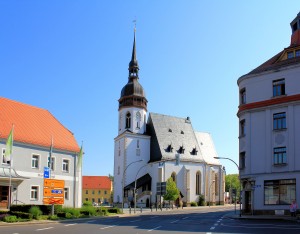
{"x": 264, "y": 217}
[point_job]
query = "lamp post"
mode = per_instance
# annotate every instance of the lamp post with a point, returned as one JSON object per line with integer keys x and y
{"x": 135, "y": 186}
{"x": 209, "y": 192}
{"x": 239, "y": 179}
{"x": 123, "y": 181}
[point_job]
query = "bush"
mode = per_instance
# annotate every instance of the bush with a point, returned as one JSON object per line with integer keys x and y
{"x": 87, "y": 203}
{"x": 69, "y": 215}
{"x": 10, "y": 219}
{"x": 22, "y": 215}
{"x": 43, "y": 217}
{"x": 46, "y": 209}
{"x": 114, "y": 210}
{"x": 35, "y": 211}
{"x": 75, "y": 213}
{"x": 53, "y": 217}
{"x": 193, "y": 204}
{"x": 201, "y": 201}
{"x": 88, "y": 210}
{"x": 102, "y": 211}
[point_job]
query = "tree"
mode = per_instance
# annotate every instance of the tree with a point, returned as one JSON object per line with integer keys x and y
{"x": 232, "y": 182}
{"x": 172, "y": 192}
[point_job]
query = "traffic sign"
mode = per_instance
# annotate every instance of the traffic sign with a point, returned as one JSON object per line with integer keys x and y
{"x": 46, "y": 172}
{"x": 48, "y": 192}
{"x": 50, "y": 201}
{"x": 53, "y": 191}
{"x": 51, "y": 183}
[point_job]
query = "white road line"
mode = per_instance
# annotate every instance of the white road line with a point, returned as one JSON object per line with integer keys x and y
{"x": 70, "y": 224}
{"x": 154, "y": 217}
{"x": 215, "y": 224}
{"x": 212, "y": 228}
{"x": 154, "y": 229}
{"x": 175, "y": 221}
{"x": 108, "y": 227}
{"x": 92, "y": 221}
{"x": 185, "y": 218}
{"x": 44, "y": 229}
{"x": 133, "y": 221}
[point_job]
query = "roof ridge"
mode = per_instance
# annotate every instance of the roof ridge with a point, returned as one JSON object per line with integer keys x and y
{"x": 23, "y": 104}
{"x": 184, "y": 118}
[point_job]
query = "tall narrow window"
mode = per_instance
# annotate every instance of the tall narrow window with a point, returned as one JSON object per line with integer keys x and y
{"x": 138, "y": 150}
{"x": 198, "y": 183}
{"x": 290, "y": 54}
{"x": 279, "y": 155}
{"x": 279, "y": 121}
{"x": 34, "y": 191}
{"x": 128, "y": 120}
{"x": 35, "y": 161}
{"x": 242, "y": 128}
{"x": 242, "y": 160}
{"x": 278, "y": 87}
{"x": 65, "y": 165}
{"x": 216, "y": 185}
{"x": 3, "y": 158}
{"x": 66, "y": 192}
{"x": 138, "y": 120}
{"x": 243, "y": 96}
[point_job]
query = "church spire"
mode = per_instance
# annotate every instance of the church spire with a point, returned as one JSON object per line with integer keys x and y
{"x": 133, "y": 64}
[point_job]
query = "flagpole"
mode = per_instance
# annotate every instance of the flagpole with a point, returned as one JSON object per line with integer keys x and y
{"x": 10, "y": 163}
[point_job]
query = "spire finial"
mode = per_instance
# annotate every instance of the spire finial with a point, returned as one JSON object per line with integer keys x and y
{"x": 133, "y": 65}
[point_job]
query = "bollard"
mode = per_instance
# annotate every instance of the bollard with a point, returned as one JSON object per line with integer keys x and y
{"x": 141, "y": 209}
{"x": 129, "y": 209}
{"x": 151, "y": 207}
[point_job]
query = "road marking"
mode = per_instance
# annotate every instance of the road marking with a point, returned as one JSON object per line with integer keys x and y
{"x": 70, "y": 224}
{"x": 154, "y": 217}
{"x": 215, "y": 224}
{"x": 185, "y": 218}
{"x": 154, "y": 229}
{"x": 175, "y": 221}
{"x": 44, "y": 229}
{"x": 212, "y": 228}
{"x": 92, "y": 221}
{"x": 108, "y": 227}
{"x": 133, "y": 221}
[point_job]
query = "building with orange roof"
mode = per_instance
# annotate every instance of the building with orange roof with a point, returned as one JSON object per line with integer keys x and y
{"x": 97, "y": 189}
{"x": 35, "y": 130}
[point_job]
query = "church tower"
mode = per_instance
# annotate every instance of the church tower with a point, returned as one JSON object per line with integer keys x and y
{"x": 132, "y": 145}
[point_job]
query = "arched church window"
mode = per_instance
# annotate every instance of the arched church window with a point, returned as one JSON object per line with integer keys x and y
{"x": 138, "y": 119}
{"x": 173, "y": 175}
{"x": 216, "y": 184}
{"x": 198, "y": 183}
{"x": 128, "y": 120}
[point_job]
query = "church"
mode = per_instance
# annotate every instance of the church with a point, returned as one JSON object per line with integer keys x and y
{"x": 150, "y": 148}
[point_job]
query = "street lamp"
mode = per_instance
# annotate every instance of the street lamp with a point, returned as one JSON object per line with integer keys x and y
{"x": 209, "y": 192}
{"x": 135, "y": 186}
{"x": 123, "y": 181}
{"x": 239, "y": 178}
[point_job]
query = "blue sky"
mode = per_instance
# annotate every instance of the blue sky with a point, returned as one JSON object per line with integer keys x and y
{"x": 71, "y": 58}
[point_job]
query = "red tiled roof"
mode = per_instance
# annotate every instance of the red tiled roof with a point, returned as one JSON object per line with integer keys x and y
{"x": 96, "y": 182}
{"x": 35, "y": 126}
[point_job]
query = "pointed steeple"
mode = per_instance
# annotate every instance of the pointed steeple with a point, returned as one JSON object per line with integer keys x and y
{"x": 133, "y": 64}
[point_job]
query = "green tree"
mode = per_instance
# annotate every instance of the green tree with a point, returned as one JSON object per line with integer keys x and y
{"x": 232, "y": 181}
{"x": 172, "y": 192}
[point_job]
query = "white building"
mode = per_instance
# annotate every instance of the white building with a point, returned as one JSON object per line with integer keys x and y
{"x": 269, "y": 141}
{"x": 148, "y": 151}
{"x": 34, "y": 129}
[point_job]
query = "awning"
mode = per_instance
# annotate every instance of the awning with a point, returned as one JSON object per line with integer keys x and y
{"x": 145, "y": 179}
{"x": 5, "y": 174}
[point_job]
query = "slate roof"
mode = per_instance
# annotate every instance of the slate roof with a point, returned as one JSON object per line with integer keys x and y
{"x": 35, "y": 126}
{"x": 145, "y": 179}
{"x": 178, "y": 132}
{"x": 207, "y": 148}
{"x": 96, "y": 182}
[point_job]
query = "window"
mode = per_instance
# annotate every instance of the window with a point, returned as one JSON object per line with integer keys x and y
{"x": 93, "y": 192}
{"x": 243, "y": 96}
{"x": 128, "y": 120}
{"x": 290, "y": 54}
{"x": 181, "y": 150}
{"x": 216, "y": 185}
{"x": 86, "y": 191}
{"x": 118, "y": 170}
{"x": 99, "y": 200}
{"x": 66, "y": 191}
{"x": 279, "y": 192}
{"x": 297, "y": 53}
{"x": 138, "y": 120}
{"x": 242, "y": 160}
{"x": 105, "y": 192}
{"x": 278, "y": 87}
{"x": 279, "y": 121}
{"x": 169, "y": 148}
{"x": 93, "y": 200}
{"x": 86, "y": 199}
{"x": 194, "y": 151}
{"x": 182, "y": 132}
{"x": 3, "y": 158}
{"x": 99, "y": 192}
{"x": 35, "y": 161}
{"x": 279, "y": 155}
{"x": 138, "y": 150}
{"x": 65, "y": 165}
{"x": 198, "y": 183}
{"x": 242, "y": 128}
{"x": 34, "y": 192}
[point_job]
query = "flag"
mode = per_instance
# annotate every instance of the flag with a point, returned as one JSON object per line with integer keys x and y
{"x": 9, "y": 144}
{"x": 80, "y": 157}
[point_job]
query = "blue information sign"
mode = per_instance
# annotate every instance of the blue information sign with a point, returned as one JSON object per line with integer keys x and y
{"x": 46, "y": 172}
{"x": 57, "y": 191}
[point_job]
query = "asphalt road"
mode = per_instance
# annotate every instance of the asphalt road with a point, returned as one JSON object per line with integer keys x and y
{"x": 205, "y": 220}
